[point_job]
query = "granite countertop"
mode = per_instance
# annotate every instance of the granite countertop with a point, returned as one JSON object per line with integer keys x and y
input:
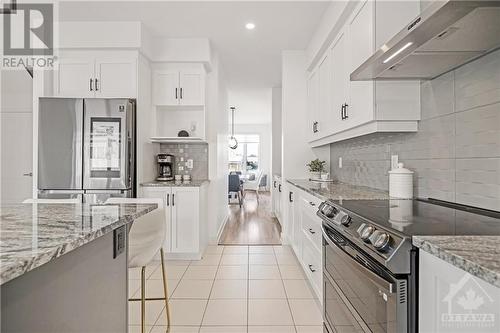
{"x": 338, "y": 190}
{"x": 477, "y": 255}
{"x": 174, "y": 183}
{"x": 34, "y": 234}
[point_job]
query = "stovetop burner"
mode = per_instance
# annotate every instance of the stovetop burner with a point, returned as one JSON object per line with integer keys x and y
{"x": 384, "y": 228}
{"x": 425, "y": 217}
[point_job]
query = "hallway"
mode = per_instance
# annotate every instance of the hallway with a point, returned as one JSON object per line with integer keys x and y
{"x": 252, "y": 224}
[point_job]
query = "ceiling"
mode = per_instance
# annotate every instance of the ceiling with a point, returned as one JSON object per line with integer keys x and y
{"x": 250, "y": 59}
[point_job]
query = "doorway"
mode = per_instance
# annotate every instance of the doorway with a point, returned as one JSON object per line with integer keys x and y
{"x": 250, "y": 218}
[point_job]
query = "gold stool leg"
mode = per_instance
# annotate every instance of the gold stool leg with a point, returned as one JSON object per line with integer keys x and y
{"x": 143, "y": 299}
{"x": 165, "y": 288}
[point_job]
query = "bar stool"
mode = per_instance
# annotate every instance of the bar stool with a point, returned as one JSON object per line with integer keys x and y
{"x": 146, "y": 238}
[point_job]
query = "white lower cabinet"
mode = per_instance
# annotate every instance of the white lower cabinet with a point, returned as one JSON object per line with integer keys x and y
{"x": 277, "y": 198}
{"x": 452, "y": 300}
{"x": 303, "y": 234}
{"x": 186, "y": 236}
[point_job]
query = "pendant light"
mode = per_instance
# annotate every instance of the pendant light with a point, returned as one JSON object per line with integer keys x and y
{"x": 233, "y": 143}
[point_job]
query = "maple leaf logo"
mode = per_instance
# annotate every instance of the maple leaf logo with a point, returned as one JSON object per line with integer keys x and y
{"x": 470, "y": 301}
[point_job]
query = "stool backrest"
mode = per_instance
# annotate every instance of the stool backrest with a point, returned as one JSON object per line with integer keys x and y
{"x": 147, "y": 234}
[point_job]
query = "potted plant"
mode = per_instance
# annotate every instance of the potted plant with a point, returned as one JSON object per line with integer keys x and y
{"x": 316, "y": 167}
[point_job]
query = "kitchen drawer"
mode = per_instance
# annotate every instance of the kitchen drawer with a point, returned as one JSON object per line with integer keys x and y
{"x": 312, "y": 264}
{"x": 311, "y": 201}
{"x": 311, "y": 227}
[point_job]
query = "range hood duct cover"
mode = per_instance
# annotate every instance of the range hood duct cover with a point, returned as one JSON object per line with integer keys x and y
{"x": 445, "y": 36}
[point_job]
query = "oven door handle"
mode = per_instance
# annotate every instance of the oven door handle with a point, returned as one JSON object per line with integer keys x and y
{"x": 384, "y": 285}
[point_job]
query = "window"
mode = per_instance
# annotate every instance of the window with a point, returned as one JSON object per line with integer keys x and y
{"x": 245, "y": 157}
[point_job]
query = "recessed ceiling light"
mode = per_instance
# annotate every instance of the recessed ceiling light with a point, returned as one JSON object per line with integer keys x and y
{"x": 250, "y": 26}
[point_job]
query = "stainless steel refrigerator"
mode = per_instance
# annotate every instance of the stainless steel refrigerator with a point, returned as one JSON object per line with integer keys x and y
{"x": 86, "y": 148}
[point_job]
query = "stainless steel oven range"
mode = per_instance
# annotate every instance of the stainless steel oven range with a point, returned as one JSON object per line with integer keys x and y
{"x": 369, "y": 264}
{"x": 368, "y": 281}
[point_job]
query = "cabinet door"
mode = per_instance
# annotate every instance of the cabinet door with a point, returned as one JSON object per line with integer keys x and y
{"x": 312, "y": 104}
{"x": 73, "y": 77}
{"x": 324, "y": 101}
{"x": 340, "y": 81}
{"x": 166, "y": 88}
{"x": 360, "y": 107}
{"x": 166, "y": 195}
{"x": 185, "y": 219}
{"x": 191, "y": 88}
{"x": 116, "y": 78}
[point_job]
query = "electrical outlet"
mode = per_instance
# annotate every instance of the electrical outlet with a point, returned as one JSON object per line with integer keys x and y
{"x": 189, "y": 163}
{"x": 340, "y": 162}
{"x": 394, "y": 161}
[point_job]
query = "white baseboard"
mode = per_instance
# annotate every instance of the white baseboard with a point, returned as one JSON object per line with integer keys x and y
{"x": 219, "y": 232}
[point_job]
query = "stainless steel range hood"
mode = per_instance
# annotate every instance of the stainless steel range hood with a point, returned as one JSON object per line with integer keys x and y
{"x": 446, "y": 35}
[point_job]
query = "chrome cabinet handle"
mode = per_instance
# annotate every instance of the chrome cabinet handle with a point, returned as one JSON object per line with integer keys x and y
{"x": 290, "y": 196}
{"x": 28, "y": 174}
{"x": 312, "y": 231}
{"x": 311, "y": 268}
{"x": 168, "y": 199}
{"x": 173, "y": 199}
{"x": 96, "y": 86}
{"x": 181, "y": 93}
{"x": 312, "y": 203}
{"x": 176, "y": 97}
{"x": 91, "y": 88}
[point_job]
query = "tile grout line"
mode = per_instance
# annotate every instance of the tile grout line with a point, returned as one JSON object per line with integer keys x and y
{"x": 286, "y": 294}
{"x": 211, "y": 289}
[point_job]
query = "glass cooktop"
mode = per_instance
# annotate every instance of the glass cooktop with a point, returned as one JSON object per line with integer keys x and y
{"x": 426, "y": 216}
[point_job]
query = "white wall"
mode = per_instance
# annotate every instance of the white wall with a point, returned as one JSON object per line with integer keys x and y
{"x": 16, "y": 135}
{"x": 276, "y": 131}
{"x": 296, "y": 152}
{"x": 264, "y": 131}
{"x": 217, "y": 136}
{"x": 146, "y": 151}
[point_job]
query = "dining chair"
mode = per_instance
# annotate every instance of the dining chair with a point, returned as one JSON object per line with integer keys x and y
{"x": 234, "y": 186}
{"x": 253, "y": 185}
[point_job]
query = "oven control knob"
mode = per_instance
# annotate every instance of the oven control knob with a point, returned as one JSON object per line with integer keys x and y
{"x": 345, "y": 219}
{"x": 329, "y": 211}
{"x": 382, "y": 241}
{"x": 367, "y": 232}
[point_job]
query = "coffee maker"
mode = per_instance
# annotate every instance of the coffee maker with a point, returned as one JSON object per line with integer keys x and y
{"x": 165, "y": 167}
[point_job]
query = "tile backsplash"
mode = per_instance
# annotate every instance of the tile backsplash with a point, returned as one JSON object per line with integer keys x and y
{"x": 456, "y": 152}
{"x": 183, "y": 152}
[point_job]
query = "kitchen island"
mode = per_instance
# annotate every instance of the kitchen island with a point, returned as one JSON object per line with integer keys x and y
{"x": 62, "y": 264}
{"x": 459, "y": 283}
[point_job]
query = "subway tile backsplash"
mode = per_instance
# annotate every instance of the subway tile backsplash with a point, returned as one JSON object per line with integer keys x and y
{"x": 456, "y": 152}
{"x": 198, "y": 152}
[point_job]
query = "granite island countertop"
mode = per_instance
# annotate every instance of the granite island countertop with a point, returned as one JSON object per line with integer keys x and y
{"x": 338, "y": 190}
{"x": 477, "y": 255}
{"x": 175, "y": 183}
{"x": 34, "y": 234}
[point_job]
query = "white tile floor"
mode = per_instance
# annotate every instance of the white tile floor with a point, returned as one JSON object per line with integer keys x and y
{"x": 233, "y": 289}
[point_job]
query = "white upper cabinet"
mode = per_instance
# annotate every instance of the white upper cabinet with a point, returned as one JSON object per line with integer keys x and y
{"x": 177, "y": 85}
{"x": 115, "y": 77}
{"x": 166, "y": 87}
{"x": 324, "y": 114}
{"x": 312, "y": 105}
{"x": 191, "y": 88}
{"x": 339, "y": 88}
{"x": 363, "y": 107}
{"x": 96, "y": 74}
{"x": 74, "y": 77}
